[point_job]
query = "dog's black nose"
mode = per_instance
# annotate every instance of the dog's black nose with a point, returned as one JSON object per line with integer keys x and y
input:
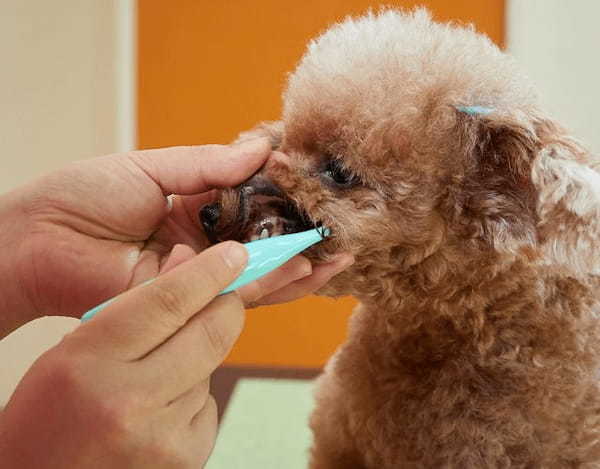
{"x": 209, "y": 217}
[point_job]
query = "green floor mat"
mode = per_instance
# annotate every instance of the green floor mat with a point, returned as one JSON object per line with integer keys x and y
{"x": 265, "y": 426}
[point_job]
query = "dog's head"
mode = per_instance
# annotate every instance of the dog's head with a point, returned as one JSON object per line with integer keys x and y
{"x": 403, "y": 137}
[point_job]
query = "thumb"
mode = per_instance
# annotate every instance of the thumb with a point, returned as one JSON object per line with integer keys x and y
{"x": 196, "y": 169}
{"x": 141, "y": 319}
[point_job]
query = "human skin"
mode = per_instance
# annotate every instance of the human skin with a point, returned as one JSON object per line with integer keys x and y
{"x": 130, "y": 388}
{"x": 98, "y": 227}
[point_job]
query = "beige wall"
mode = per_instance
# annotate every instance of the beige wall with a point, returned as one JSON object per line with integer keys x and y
{"x": 65, "y": 94}
{"x": 557, "y": 42}
{"x": 56, "y": 86}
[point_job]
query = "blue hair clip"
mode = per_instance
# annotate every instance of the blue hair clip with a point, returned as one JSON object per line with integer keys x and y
{"x": 475, "y": 110}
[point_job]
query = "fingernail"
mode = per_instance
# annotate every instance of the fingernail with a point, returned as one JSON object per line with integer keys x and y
{"x": 306, "y": 270}
{"x": 235, "y": 255}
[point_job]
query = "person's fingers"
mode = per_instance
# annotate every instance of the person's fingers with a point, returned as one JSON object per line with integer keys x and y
{"x": 195, "y": 169}
{"x": 296, "y": 268}
{"x": 321, "y": 274}
{"x": 195, "y": 351}
{"x": 203, "y": 431}
{"x": 178, "y": 255}
{"x": 205, "y": 416}
{"x": 143, "y": 318}
{"x": 189, "y": 403}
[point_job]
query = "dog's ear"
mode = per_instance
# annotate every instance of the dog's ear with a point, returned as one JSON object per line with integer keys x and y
{"x": 273, "y": 130}
{"x": 568, "y": 182}
{"x": 495, "y": 199}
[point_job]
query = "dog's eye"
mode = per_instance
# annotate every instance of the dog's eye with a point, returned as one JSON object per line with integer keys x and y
{"x": 335, "y": 173}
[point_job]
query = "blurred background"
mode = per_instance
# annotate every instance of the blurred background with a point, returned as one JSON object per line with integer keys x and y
{"x": 81, "y": 78}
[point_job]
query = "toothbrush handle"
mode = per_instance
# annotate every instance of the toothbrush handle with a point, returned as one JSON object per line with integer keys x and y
{"x": 264, "y": 256}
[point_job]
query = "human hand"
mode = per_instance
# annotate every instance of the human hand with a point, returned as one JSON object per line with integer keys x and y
{"x": 130, "y": 388}
{"x": 98, "y": 227}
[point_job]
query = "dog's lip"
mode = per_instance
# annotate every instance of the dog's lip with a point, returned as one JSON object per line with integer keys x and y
{"x": 264, "y": 211}
{"x": 261, "y": 187}
{"x": 244, "y": 207}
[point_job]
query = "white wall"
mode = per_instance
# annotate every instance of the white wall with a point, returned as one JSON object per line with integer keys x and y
{"x": 66, "y": 93}
{"x": 557, "y": 43}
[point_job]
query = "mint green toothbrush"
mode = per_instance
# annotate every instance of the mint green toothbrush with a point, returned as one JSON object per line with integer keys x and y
{"x": 264, "y": 256}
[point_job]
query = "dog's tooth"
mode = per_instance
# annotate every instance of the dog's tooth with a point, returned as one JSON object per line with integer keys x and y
{"x": 264, "y": 234}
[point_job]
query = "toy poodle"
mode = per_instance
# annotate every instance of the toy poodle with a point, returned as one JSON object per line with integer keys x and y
{"x": 474, "y": 219}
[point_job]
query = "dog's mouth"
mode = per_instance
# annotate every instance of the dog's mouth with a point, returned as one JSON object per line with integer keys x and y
{"x": 255, "y": 210}
{"x": 265, "y": 216}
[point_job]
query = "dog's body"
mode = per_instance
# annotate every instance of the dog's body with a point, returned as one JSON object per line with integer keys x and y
{"x": 475, "y": 223}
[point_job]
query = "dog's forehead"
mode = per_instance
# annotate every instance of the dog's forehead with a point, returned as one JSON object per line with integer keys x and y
{"x": 312, "y": 130}
{"x": 393, "y": 64}
{"x": 334, "y": 107}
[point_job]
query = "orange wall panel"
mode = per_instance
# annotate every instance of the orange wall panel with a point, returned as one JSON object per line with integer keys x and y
{"x": 208, "y": 70}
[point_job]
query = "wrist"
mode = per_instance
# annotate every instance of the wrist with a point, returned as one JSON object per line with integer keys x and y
{"x": 16, "y": 308}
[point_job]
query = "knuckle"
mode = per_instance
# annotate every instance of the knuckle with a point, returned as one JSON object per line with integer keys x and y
{"x": 234, "y": 302}
{"x": 219, "y": 270}
{"x": 212, "y": 278}
{"x": 203, "y": 391}
{"x": 217, "y": 342}
{"x": 208, "y": 426}
{"x": 237, "y": 310}
{"x": 166, "y": 450}
{"x": 253, "y": 291}
{"x": 116, "y": 417}
{"x": 171, "y": 301}
{"x": 211, "y": 407}
{"x": 65, "y": 370}
{"x": 204, "y": 394}
{"x": 222, "y": 329}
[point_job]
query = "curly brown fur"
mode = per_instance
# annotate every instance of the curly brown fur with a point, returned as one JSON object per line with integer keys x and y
{"x": 477, "y": 245}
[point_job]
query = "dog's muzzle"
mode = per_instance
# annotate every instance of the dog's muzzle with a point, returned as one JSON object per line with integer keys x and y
{"x": 263, "y": 211}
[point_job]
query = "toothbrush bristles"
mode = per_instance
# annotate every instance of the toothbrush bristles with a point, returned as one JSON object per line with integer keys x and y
{"x": 320, "y": 229}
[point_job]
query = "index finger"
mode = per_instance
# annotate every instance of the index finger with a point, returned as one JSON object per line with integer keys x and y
{"x": 143, "y": 318}
{"x": 195, "y": 169}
